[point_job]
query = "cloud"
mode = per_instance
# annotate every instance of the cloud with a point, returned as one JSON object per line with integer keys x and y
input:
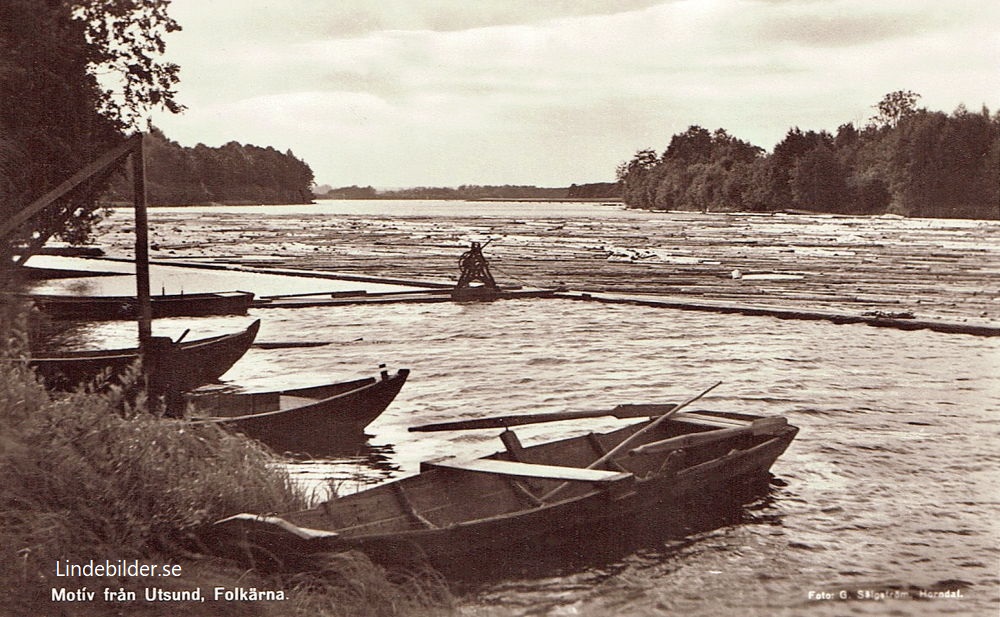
{"x": 845, "y": 23}
{"x": 405, "y": 92}
{"x": 262, "y": 20}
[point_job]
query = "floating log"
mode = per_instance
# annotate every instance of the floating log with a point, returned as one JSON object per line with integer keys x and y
{"x": 782, "y": 313}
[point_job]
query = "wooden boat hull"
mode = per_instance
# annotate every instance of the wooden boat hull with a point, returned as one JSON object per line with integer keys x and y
{"x": 333, "y": 413}
{"x": 126, "y": 307}
{"x": 175, "y": 367}
{"x": 571, "y": 523}
{"x": 457, "y": 517}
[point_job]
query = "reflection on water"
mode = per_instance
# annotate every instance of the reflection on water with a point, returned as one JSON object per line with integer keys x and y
{"x": 177, "y": 280}
{"x": 651, "y": 537}
{"x": 341, "y": 469}
{"x": 53, "y": 334}
{"x": 350, "y": 448}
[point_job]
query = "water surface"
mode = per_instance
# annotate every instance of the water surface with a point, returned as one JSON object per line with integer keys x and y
{"x": 891, "y": 484}
{"x": 891, "y": 487}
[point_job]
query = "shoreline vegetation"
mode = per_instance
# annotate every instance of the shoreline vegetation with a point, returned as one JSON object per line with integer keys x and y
{"x": 94, "y": 478}
{"x": 906, "y": 161}
{"x": 595, "y": 191}
{"x": 234, "y": 174}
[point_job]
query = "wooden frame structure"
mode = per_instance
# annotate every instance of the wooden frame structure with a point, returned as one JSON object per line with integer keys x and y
{"x": 132, "y": 147}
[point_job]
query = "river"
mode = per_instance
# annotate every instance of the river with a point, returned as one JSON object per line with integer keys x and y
{"x": 890, "y": 492}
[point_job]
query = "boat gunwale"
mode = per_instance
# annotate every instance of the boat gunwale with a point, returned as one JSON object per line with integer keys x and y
{"x": 83, "y": 308}
{"x": 200, "y": 295}
{"x": 401, "y": 374}
{"x": 787, "y": 432}
{"x": 133, "y": 352}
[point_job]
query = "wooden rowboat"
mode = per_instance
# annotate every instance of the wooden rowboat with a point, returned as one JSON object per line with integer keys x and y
{"x": 523, "y": 500}
{"x": 178, "y": 366}
{"x": 126, "y": 307}
{"x": 304, "y": 419}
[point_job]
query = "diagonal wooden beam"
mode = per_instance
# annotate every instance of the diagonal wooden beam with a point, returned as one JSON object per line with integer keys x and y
{"x": 112, "y": 157}
{"x": 58, "y": 218}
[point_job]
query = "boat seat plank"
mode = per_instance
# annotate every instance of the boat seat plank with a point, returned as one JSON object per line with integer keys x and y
{"x": 232, "y": 404}
{"x": 528, "y": 470}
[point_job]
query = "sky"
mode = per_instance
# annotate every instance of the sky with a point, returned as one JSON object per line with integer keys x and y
{"x": 405, "y": 93}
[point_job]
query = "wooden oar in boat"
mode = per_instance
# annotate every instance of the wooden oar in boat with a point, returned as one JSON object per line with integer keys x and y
{"x": 290, "y": 344}
{"x": 621, "y": 411}
{"x": 627, "y": 443}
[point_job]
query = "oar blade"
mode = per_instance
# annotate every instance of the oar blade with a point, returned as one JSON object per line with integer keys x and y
{"x": 642, "y": 410}
{"x": 505, "y": 421}
{"x": 628, "y": 410}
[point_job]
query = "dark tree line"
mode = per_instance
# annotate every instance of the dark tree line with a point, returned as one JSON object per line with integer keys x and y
{"x": 233, "y": 173}
{"x": 466, "y": 191}
{"x": 906, "y": 161}
{"x": 475, "y": 191}
{"x": 608, "y": 190}
{"x": 595, "y": 190}
{"x": 350, "y": 192}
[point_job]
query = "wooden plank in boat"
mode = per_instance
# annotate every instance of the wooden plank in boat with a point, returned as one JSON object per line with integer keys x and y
{"x": 293, "y": 402}
{"x": 693, "y": 417}
{"x": 761, "y": 426}
{"x": 236, "y": 404}
{"x": 528, "y": 470}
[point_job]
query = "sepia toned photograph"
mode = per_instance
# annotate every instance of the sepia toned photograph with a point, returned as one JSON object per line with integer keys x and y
{"x": 433, "y": 308}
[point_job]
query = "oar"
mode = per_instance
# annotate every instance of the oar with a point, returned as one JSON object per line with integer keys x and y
{"x": 621, "y": 411}
{"x": 290, "y": 344}
{"x": 627, "y": 443}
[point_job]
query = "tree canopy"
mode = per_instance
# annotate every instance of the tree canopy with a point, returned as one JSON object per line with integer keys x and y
{"x": 56, "y": 115}
{"x": 232, "y": 173}
{"x": 906, "y": 161}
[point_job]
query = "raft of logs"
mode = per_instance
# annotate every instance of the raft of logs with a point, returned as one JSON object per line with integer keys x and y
{"x": 885, "y": 271}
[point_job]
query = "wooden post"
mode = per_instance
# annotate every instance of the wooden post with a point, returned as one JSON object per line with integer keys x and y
{"x": 141, "y": 244}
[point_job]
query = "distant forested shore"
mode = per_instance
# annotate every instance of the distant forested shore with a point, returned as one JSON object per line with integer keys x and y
{"x": 230, "y": 174}
{"x": 905, "y": 161}
{"x": 471, "y": 192}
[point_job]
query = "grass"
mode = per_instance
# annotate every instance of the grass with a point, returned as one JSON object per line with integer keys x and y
{"x": 88, "y": 476}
